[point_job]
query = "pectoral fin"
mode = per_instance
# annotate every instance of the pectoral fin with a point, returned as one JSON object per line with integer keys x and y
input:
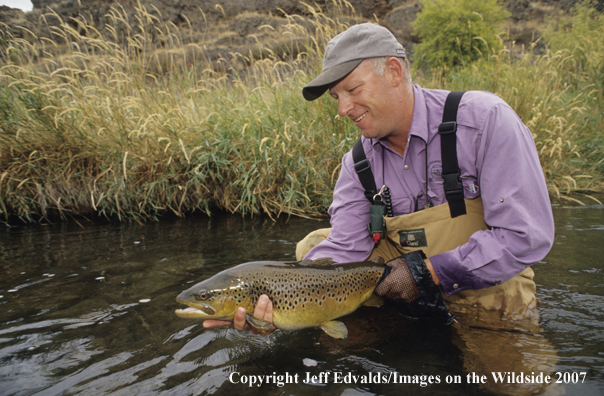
{"x": 378, "y": 260}
{"x": 374, "y": 301}
{"x": 335, "y": 329}
{"x": 259, "y": 324}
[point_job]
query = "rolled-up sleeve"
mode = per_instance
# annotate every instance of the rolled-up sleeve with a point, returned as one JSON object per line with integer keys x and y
{"x": 349, "y": 240}
{"x": 516, "y": 206}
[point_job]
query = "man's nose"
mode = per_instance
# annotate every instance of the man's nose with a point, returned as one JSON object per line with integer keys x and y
{"x": 344, "y": 106}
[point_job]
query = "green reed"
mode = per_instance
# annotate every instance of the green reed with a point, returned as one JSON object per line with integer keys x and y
{"x": 140, "y": 122}
{"x": 108, "y": 123}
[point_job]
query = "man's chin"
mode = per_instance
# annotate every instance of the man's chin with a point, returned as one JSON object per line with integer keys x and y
{"x": 370, "y": 135}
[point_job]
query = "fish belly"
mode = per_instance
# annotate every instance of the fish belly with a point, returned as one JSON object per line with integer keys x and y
{"x": 310, "y": 314}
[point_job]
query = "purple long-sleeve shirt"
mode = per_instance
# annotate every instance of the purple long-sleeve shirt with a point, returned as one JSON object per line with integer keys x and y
{"x": 498, "y": 161}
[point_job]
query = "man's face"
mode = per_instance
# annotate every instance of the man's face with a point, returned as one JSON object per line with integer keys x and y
{"x": 367, "y": 100}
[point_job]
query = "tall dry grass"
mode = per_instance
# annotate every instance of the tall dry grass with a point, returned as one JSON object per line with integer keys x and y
{"x": 111, "y": 125}
{"x": 136, "y": 122}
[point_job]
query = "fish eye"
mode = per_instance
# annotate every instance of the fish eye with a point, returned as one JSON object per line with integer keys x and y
{"x": 204, "y": 295}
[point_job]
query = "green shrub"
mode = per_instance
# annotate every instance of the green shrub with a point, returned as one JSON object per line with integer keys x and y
{"x": 557, "y": 93}
{"x": 456, "y": 32}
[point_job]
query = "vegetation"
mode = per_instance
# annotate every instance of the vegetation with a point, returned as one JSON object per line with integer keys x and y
{"x": 93, "y": 123}
{"x": 559, "y": 94}
{"x": 457, "y": 32}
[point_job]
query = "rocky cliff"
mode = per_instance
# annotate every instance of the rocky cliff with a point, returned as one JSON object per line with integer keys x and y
{"x": 233, "y": 24}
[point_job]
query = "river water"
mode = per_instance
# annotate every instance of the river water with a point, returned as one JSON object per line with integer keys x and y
{"x": 89, "y": 310}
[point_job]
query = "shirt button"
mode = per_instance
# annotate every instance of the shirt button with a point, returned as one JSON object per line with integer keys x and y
{"x": 406, "y": 167}
{"x": 455, "y": 286}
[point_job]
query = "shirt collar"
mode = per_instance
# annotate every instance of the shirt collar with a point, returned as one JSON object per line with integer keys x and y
{"x": 419, "y": 123}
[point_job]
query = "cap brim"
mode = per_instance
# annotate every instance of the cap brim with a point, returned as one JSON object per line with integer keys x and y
{"x": 317, "y": 87}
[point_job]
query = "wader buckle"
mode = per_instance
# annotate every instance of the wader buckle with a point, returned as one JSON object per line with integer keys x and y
{"x": 448, "y": 127}
{"x": 362, "y": 166}
{"x": 452, "y": 182}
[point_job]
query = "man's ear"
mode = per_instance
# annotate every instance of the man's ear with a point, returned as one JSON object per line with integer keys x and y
{"x": 395, "y": 71}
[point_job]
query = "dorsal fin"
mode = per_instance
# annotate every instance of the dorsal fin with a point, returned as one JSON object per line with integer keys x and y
{"x": 320, "y": 261}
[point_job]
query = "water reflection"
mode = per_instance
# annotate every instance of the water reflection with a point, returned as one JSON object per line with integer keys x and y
{"x": 91, "y": 311}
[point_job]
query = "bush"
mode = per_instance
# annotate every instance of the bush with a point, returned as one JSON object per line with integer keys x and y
{"x": 557, "y": 93}
{"x": 456, "y": 32}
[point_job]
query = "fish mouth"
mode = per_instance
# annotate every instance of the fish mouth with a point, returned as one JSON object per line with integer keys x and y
{"x": 199, "y": 311}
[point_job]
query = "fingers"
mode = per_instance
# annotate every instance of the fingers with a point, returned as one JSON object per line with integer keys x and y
{"x": 216, "y": 323}
{"x": 263, "y": 310}
{"x": 239, "y": 321}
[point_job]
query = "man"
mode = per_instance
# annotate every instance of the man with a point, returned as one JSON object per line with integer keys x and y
{"x": 479, "y": 255}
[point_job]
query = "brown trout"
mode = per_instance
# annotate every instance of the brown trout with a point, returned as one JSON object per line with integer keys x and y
{"x": 304, "y": 293}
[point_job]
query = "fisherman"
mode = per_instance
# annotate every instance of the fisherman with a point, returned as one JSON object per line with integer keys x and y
{"x": 448, "y": 189}
{"x": 463, "y": 196}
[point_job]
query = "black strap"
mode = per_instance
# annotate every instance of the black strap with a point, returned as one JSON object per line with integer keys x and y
{"x": 363, "y": 168}
{"x": 448, "y": 149}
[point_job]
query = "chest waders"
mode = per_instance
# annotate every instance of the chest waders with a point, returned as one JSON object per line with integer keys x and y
{"x": 444, "y": 227}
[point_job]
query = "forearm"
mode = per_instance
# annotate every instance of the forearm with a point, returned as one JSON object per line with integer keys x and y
{"x": 516, "y": 209}
{"x": 348, "y": 240}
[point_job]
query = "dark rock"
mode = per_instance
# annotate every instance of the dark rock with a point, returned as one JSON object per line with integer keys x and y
{"x": 399, "y": 20}
{"x": 234, "y": 25}
{"x": 247, "y": 24}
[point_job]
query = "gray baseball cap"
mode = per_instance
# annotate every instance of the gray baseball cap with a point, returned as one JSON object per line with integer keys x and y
{"x": 347, "y": 50}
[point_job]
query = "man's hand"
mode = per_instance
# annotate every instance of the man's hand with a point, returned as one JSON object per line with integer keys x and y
{"x": 263, "y": 310}
{"x": 410, "y": 282}
{"x": 399, "y": 285}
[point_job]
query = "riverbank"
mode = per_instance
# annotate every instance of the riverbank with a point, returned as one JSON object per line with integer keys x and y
{"x": 113, "y": 125}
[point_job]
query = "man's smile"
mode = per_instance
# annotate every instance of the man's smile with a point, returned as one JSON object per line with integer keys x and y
{"x": 358, "y": 119}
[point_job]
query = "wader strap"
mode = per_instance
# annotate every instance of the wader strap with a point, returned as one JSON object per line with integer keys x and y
{"x": 448, "y": 148}
{"x": 363, "y": 168}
